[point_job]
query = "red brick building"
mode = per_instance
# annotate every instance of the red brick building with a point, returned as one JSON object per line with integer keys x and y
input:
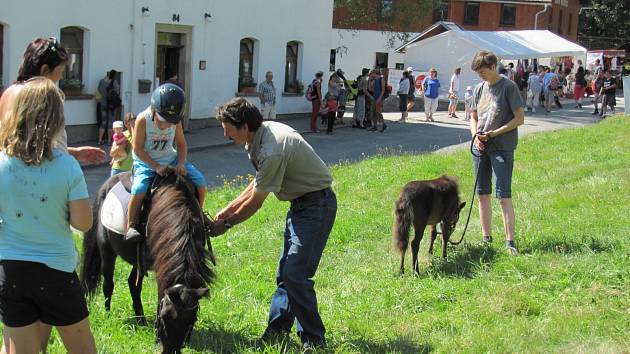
{"x": 559, "y": 16}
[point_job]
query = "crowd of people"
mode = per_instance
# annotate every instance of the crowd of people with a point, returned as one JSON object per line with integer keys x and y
{"x": 39, "y": 287}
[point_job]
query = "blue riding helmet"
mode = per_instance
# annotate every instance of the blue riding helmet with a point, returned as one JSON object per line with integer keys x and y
{"x": 168, "y": 101}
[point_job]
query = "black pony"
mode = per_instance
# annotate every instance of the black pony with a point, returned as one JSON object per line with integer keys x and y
{"x": 176, "y": 242}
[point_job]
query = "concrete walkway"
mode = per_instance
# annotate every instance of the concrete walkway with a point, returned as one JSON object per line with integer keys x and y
{"x": 219, "y": 159}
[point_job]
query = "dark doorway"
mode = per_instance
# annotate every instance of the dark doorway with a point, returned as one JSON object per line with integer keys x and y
{"x": 170, "y": 53}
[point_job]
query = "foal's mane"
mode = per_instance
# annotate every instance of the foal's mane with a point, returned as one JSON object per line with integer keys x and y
{"x": 177, "y": 237}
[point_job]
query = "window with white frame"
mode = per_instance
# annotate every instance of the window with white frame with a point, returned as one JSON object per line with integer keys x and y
{"x": 291, "y": 68}
{"x": 246, "y": 72}
{"x": 72, "y": 40}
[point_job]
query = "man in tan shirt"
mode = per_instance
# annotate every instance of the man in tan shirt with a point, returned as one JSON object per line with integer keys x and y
{"x": 287, "y": 166}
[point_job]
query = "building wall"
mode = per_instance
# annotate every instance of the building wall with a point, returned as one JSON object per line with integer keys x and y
{"x": 490, "y": 17}
{"x": 118, "y": 36}
{"x": 357, "y": 50}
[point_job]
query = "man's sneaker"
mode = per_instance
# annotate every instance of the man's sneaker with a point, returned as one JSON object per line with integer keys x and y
{"x": 487, "y": 240}
{"x": 133, "y": 235}
{"x": 511, "y": 248}
{"x": 311, "y": 346}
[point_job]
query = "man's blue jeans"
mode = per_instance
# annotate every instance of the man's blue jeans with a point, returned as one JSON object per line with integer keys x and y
{"x": 308, "y": 226}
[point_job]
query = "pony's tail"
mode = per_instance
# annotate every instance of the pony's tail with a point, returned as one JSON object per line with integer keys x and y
{"x": 403, "y": 217}
{"x": 91, "y": 257}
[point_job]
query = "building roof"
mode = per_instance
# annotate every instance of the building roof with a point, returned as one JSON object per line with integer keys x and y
{"x": 435, "y": 29}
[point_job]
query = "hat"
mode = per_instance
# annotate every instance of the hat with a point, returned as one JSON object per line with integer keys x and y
{"x": 410, "y": 69}
{"x": 468, "y": 88}
{"x": 118, "y": 124}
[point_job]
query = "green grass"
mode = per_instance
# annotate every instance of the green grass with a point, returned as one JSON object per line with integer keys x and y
{"x": 568, "y": 291}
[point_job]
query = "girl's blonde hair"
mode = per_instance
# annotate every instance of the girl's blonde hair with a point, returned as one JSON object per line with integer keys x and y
{"x": 34, "y": 121}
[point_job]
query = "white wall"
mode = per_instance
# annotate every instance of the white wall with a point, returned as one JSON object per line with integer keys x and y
{"x": 359, "y": 48}
{"x": 119, "y": 37}
{"x": 445, "y": 54}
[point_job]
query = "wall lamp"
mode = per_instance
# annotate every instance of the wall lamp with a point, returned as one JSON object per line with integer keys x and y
{"x": 207, "y": 16}
{"x": 145, "y": 11}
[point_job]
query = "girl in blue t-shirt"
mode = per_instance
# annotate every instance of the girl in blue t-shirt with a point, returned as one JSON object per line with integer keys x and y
{"x": 45, "y": 194}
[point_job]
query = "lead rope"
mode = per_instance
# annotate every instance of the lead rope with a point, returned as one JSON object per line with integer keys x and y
{"x": 472, "y": 197}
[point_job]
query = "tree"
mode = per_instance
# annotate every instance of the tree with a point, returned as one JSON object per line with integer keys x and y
{"x": 605, "y": 24}
{"x": 397, "y": 18}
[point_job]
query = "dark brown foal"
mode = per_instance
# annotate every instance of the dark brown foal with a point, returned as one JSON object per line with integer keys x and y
{"x": 423, "y": 203}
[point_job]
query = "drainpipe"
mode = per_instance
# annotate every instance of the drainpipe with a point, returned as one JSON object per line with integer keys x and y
{"x": 132, "y": 51}
{"x": 539, "y": 13}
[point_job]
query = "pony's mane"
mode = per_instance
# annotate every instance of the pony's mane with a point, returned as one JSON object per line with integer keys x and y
{"x": 177, "y": 236}
{"x": 447, "y": 183}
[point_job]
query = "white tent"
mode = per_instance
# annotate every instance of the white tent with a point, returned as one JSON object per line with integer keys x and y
{"x": 456, "y": 48}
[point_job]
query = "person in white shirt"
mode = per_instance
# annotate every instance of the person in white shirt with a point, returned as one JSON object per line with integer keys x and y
{"x": 534, "y": 86}
{"x": 453, "y": 93}
{"x": 403, "y": 96}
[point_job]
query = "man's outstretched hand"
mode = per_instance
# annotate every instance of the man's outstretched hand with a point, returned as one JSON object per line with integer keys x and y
{"x": 88, "y": 154}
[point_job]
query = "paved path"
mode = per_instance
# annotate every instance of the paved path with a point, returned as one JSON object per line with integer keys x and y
{"x": 219, "y": 159}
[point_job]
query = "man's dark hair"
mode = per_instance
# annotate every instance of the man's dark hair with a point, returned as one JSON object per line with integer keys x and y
{"x": 238, "y": 112}
{"x": 365, "y": 71}
{"x": 484, "y": 59}
{"x": 111, "y": 74}
{"x": 40, "y": 52}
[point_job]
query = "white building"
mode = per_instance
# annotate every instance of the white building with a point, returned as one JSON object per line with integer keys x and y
{"x": 358, "y": 49}
{"x": 211, "y": 45}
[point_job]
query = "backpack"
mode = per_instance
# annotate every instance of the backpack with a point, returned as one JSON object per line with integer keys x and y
{"x": 113, "y": 98}
{"x": 310, "y": 94}
{"x": 554, "y": 84}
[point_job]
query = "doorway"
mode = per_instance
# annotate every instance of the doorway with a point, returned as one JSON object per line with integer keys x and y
{"x": 172, "y": 59}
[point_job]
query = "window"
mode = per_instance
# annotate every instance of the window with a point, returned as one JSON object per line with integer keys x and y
{"x": 570, "y": 26}
{"x": 508, "y": 15}
{"x": 246, "y": 73}
{"x": 381, "y": 60}
{"x": 386, "y": 9}
{"x": 471, "y": 13}
{"x": 333, "y": 59}
{"x": 400, "y": 66}
{"x": 441, "y": 13}
{"x": 560, "y": 22}
{"x": 550, "y": 22}
{"x": 291, "y": 67}
{"x": 72, "y": 40}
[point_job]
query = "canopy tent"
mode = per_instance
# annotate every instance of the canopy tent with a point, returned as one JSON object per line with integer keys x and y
{"x": 456, "y": 48}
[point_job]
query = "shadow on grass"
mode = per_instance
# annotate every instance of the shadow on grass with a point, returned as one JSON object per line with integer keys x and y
{"x": 462, "y": 262}
{"x": 220, "y": 340}
{"x": 398, "y": 345}
{"x": 568, "y": 246}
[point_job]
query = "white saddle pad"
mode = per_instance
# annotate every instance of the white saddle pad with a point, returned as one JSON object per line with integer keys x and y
{"x": 114, "y": 209}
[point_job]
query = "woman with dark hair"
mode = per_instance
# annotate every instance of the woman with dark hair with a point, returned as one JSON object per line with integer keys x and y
{"x": 579, "y": 88}
{"x": 46, "y": 57}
